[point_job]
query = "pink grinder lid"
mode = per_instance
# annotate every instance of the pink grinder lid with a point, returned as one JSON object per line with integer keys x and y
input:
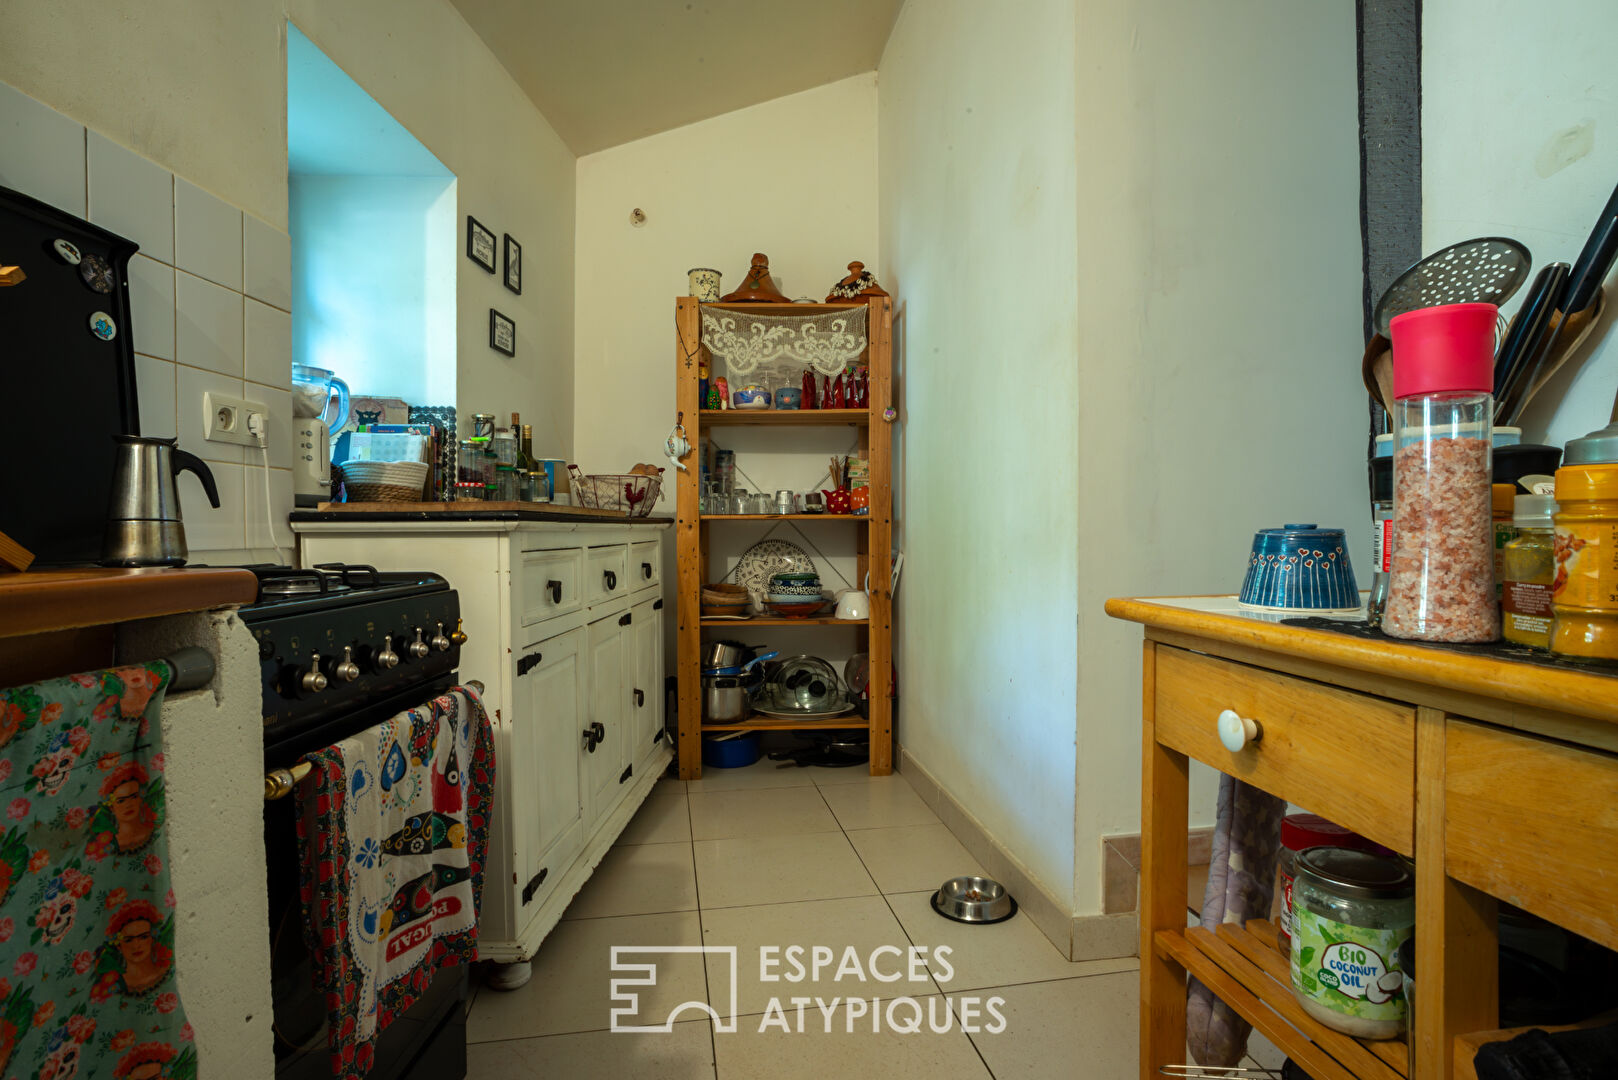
{"x": 1445, "y": 349}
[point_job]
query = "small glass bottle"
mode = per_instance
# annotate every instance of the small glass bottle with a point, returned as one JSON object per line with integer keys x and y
{"x": 1442, "y": 578}
{"x": 1528, "y": 569}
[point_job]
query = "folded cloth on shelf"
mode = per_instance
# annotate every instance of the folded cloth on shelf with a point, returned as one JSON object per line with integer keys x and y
{"x": 392, "y": 836}
{"x": 1583, "y": 1054}
{"x": 86, "y": 912}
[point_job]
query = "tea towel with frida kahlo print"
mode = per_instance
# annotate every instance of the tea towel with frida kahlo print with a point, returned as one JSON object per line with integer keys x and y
{"x": 87, "y": 982}
{"x": 392, "y": 835}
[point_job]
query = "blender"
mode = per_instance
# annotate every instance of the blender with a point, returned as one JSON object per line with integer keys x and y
{"x": 314, "y": 392}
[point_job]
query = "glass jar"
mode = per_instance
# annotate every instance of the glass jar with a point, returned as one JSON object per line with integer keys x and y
{"x": 1441, "y": 585}
{"x": 1300, "y": 832}
{"x": 1381, "y": 535}
{"x": 1502, "y": 511}
{"x": 1584, "y": 593}
{"x": 1351, "y": 910}
{"x": 1528, "y": 569}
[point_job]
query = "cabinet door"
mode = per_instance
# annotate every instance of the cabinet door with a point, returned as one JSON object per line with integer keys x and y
{"x": 606, "y": 752}
{"x": 543, "y": 777}
{"x": 646, "y": 704}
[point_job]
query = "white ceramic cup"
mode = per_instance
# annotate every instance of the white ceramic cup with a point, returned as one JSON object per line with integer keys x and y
{"x": 853, "y": 604}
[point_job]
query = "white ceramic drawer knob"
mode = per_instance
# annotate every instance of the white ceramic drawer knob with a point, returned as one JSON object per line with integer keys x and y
{"x": 1236, "y": 731}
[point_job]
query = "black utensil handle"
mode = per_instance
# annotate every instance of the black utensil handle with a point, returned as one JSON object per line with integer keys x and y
{"x": 1595, "y": 260}
{"x": 1526, "y": 337}
{"x": 184, "y": 462}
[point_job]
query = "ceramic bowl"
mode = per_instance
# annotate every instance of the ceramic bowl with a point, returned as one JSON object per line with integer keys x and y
{"x": 795, "y": 609}
{"x": 1300, "y": 568}
{"x": 776, "y": 591}
{"x": 751, "y": 396}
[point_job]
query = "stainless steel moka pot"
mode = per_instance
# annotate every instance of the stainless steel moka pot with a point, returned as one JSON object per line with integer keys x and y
{"x": 143, "y": 514}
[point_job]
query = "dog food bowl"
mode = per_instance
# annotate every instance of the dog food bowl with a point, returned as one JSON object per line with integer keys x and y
{"x": 974, "y": 900}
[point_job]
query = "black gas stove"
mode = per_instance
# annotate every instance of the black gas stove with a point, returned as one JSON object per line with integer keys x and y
{"x": 343, "y": 648}
{"x": 345, "y": 642}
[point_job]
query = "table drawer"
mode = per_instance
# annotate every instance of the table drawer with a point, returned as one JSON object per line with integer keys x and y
{"x": 1349, "y": 756}
{"x": 552, "y": 583}
{"x": 606, "y": 573}
{"x": 645, "y": 564}
{"x": 1534, "y": 823}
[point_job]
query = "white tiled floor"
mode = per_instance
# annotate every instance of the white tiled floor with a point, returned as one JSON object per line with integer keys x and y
{"x": 780, "y": 857}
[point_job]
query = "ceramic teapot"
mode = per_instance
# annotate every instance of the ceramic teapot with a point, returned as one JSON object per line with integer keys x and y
{"x": 837, "y": 502}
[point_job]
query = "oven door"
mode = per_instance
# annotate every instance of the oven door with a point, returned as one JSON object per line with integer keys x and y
{"x": 429, "y": 1039}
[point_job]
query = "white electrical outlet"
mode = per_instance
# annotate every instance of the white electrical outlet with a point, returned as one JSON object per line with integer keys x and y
{"x": 225, "y": 419}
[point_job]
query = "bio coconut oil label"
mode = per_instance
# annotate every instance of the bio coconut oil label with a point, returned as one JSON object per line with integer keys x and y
{"x": 1348, "y": 970}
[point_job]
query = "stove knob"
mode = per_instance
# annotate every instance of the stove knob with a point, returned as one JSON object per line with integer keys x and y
{"x": 348, "y": 671}
{"x": 387, "y": 658}
{"x": 313, "y": 680}
{"x": 458, "y": 636}
{"x": 418, "y": 648}
{"x": 440, "y": 642}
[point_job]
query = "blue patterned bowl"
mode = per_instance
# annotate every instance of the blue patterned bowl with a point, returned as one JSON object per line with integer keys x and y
{"x": 1300, "y": 568}
{"x": 751, "y": 396}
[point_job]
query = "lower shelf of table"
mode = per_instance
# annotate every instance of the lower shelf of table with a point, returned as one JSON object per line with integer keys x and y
{"x": 767, "y": 723}
{"x": 775, "y": 620}
{"x": 1244, "y": 967}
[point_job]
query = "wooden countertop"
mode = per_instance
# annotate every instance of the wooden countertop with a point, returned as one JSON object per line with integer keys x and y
{"x": 471, "y": 511}
{"x": 41, "y": 601}
{"x": 1589, "y": 693}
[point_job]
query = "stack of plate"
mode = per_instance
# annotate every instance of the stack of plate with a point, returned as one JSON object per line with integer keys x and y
{"x": 795, "y": 594}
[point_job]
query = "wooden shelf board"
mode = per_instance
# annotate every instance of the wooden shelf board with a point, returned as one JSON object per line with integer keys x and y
{"x": 786, "y": 517}
{"x": 1467, "y": 1046}
{"x": 767, "y": 723}
{"x": 784, "y": 417}
{"x": 773, "y": 620}
{"x": 1243, "y": 966}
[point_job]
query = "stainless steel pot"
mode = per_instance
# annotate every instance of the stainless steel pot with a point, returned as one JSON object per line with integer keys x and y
{"x": 725, "y": 698}
{"x": 727, "y": 654}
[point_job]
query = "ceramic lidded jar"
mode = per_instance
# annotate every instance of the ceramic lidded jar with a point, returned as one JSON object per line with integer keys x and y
{"x": 704, "y": 284}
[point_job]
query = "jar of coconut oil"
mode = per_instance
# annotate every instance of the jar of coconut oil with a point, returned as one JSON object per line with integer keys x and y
{"x": 1351, "y": 910}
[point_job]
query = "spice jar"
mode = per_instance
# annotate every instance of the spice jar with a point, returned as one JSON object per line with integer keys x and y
{"x": 1527, "y": 570}
{"x": 1351, "y": 910}
{"x": 1502, "y": 503}
{"x": 1381, "y": 535}
{"x": 1442, "y": 579}
{"x": 1299, "y": 832}
{"x": 1584, "y": 592}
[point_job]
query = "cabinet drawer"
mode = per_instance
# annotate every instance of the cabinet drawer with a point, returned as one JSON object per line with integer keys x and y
{"x": 645, "y": 564}
{"x": 1534, "y": 823}
{"x": 606, "y": 573}
{"x": 552, "y": 583}
{"x": 1349, "y": 757}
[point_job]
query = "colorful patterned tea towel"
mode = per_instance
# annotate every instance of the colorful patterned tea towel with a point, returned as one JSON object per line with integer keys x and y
{"x": 87, "y": 983}
{"x": 392, "y": 832}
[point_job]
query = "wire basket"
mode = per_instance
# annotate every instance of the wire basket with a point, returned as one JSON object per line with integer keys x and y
{"x": 631, "y": 494}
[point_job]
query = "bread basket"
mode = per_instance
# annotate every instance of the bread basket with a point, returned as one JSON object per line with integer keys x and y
{"x": 384, "y": 481}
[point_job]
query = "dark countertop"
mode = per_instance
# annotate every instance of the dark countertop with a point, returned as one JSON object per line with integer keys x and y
{"x": 470, "y": 511}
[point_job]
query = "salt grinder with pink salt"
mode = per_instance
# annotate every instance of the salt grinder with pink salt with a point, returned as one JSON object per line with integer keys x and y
{"x": 1441, "y": 586}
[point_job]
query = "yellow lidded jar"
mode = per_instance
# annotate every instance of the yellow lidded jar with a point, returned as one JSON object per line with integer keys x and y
{"x": 1584, "y": 592}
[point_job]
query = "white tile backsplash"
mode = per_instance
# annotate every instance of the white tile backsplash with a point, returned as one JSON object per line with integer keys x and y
{"x": 267, "y": 263}
{"x": 131, "y": 196}
{"x": 190, "y": 384}
{"x": 154, "y": 382}
{"x": 207, "y": 325}
{"x": 151, "y": 306}
{"x": 268, "y": 345}
{"x": 279, "y": 444}
{"x": 205, "y": 527}
{"x": 258, "y": 534}
{"x": 207, "y": 235}
{"x": 41, "y": 152}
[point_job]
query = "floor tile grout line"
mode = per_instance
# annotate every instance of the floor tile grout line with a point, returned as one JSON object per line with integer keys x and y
{"x": 702, "y": 930}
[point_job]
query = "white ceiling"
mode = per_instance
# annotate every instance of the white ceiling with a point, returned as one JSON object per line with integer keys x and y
{"x": 605, "y": 72}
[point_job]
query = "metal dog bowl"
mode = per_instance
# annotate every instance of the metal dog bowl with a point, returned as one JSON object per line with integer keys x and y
{"x": 974, "y": 900}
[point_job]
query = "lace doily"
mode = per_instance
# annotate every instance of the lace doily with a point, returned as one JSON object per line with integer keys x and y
{"x": 827, "y": 342}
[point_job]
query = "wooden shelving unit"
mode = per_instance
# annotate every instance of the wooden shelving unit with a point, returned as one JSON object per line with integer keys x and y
{"x": 874, "y": 530}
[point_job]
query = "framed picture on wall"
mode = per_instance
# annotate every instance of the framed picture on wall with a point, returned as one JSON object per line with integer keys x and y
{"x": 513, "y": 265}
{"x": 502, "y": 333}
{"x": 480, "y": 244}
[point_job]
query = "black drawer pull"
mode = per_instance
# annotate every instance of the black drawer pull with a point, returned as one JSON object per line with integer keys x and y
{"x": 640, "y": 699}
{"x": 612, "y": 579}
{"x": 593, "y": 737}
{"x": 533, "y": 885}
{"x": 629, "y": 770}
{"x": 646, "y": 570}
{"x": 657, "y": 605}
{"x": 625, "y": 619}
{"x": 528, "y": 663}
{"x": 556, "y": 591}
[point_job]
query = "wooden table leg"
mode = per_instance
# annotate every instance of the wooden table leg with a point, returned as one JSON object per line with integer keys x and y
{"x": 1457, "y": 947}
{"x": 1165, "y": 783}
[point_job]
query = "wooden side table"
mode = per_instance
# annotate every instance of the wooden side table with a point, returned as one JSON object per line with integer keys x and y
{"x": 1500, "y": 778}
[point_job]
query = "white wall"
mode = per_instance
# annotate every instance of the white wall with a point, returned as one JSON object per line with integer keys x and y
{"x": 371, "y": 300}
{"x": 1219, "y": 330}
{"x": 1533, "y": 156}
{"x": 978, "y": 164}
{"x": 794, "y": 178}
